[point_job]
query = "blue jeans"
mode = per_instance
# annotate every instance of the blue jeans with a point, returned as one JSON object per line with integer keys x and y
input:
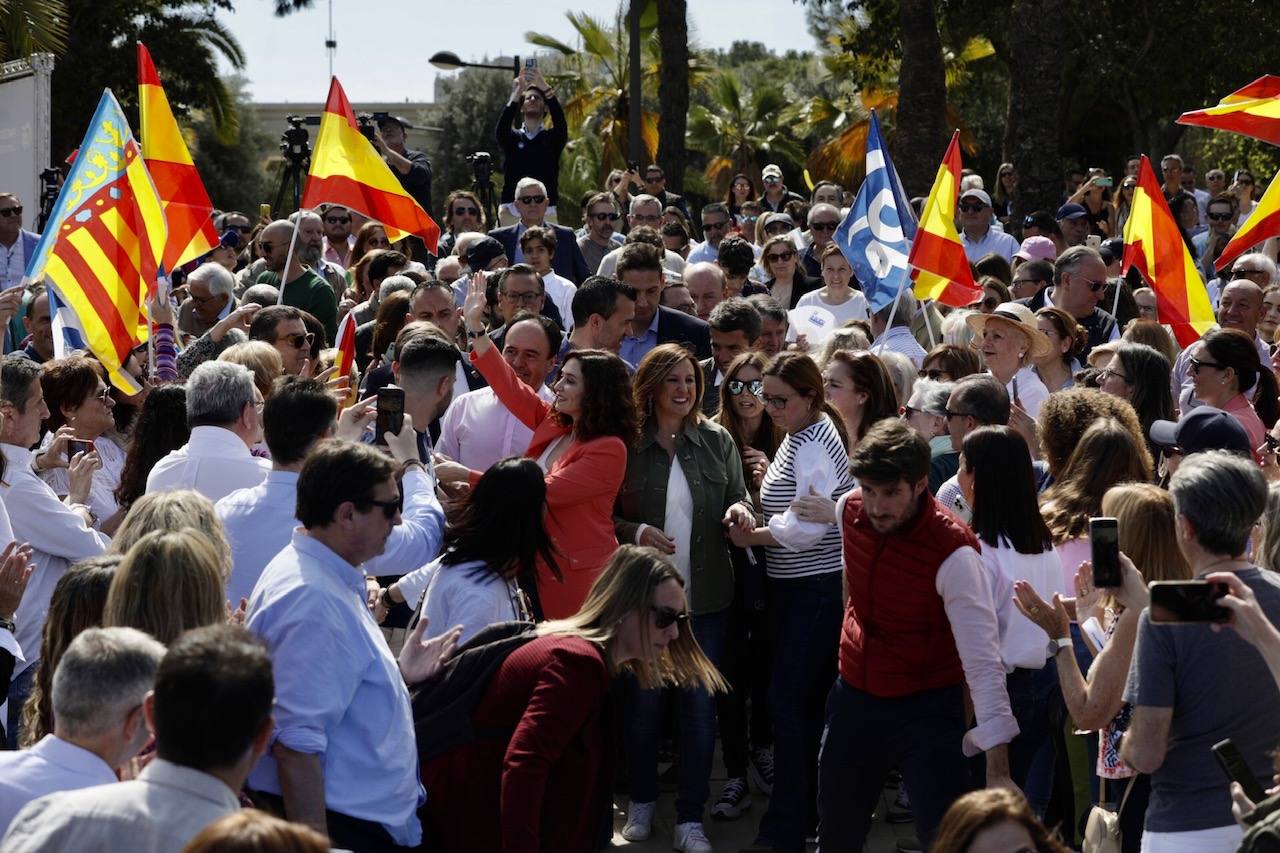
{"x": 806, "y": 632}
{"x": 695, "y": 722}
{"x": 866, "y": 737}
{"x": 1035, "y": 698}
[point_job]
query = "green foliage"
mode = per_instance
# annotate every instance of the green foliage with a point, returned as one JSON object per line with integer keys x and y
{"x": 742, "y": 130}
{"x": 233, "y": 171}
{"x": 32, "y": 26}
{"x": 1207, "y": 149}
{"x": 467, "y": 116}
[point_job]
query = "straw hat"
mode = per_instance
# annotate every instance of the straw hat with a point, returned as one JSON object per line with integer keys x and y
{"x": 1021, "y": 318}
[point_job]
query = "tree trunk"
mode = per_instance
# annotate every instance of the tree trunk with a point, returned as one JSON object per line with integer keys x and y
{"x": 634, "y": 106}
{"x": 1033, "y": 131}
{"x": 922, "y": 98}
{"x": 673, "y": 91}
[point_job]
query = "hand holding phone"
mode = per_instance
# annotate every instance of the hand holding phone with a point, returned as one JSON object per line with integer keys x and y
{"x": 1104, "y": 544}
{"x": 1187, "y": 602}
{"x": 390, "y": 412}
{"x": 1237, "y": 769}
{"x": 76, "y": 445}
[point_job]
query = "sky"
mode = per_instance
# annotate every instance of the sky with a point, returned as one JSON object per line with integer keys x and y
{"x": 287, "y": 60}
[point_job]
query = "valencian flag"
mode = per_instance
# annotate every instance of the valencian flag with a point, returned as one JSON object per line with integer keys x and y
{"x": 102, "y": 246}
{"x": 1154, "y": 246}
{"x": 346, "y": 353}
{"x": 346, "y": 169}
{"x": 1262, "y": 223}
{"x": 187, "y": 208}
{"x": 1253, "y": 111}
{"x": 939, "y": 265}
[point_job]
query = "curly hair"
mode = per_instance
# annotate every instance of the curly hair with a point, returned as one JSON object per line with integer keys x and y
{"x": 607, "y": 405}
{"x": 979, "y": 810}
{"x": 1066, "y": 415}
{"x": 1107, "y": 455}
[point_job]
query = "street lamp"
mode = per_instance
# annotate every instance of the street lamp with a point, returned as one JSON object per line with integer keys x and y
{"x": 448, "y": 61}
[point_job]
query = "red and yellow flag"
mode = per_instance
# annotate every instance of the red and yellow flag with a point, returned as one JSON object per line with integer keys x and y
{"x": 1262, "y": 223}
{"x": 1253, "y": 111}
{"x": 937, "y": 260}
{"x": 346, "y": 169}
{"x": 187, "y": 208}
{"x": 1154, "y": 246}
{"x": 346, "y": 360}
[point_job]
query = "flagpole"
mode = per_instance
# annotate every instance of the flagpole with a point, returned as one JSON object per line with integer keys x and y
{"x": 1115, "y": 304}
{"x": 928, "y": 325}
{"x": 288, "y": 259}
{"x": 893, "y": 312}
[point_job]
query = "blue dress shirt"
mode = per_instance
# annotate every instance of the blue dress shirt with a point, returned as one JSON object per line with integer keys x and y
{"x": 634, "y": 349}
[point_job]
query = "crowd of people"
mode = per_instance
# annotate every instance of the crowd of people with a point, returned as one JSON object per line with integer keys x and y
{"x": 631, "y": 504}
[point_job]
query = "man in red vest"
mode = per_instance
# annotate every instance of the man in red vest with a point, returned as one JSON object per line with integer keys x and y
{"x": 919, "y": 625}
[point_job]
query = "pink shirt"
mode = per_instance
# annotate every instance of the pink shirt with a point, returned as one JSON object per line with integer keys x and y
{"x": 1242, "y": 410}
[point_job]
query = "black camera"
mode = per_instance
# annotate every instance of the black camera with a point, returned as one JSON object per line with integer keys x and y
{"x": 368, "y": 125}
{"x": 294, "y": 141}
{"x": 481, "y": 166}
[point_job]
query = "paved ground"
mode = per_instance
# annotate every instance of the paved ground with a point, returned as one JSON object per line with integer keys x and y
{"x": 731, "y": 836}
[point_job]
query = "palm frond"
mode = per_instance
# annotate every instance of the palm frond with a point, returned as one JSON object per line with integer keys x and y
{"x": 32, "y": 26}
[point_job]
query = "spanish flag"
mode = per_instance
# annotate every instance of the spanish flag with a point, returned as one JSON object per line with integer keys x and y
{"x": 937, "y": 260}
{"x": 1264, "y": 222}
{"x": 102, "y": 246}
{"x": 346, "y": 360}
{"x": 1154, "y": 246}
{"x": 1253, "y": 111}
{"x": 346, "y": 169}
{"x": 187, "y": 208}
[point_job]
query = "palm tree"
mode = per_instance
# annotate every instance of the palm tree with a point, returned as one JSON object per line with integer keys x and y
{"x": 32, "y": 26}
{"x": 740, "y": 129}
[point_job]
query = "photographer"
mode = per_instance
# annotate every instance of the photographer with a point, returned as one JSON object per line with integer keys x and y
{"x": 532, "y": 150}
{"x": 411, "y": 168}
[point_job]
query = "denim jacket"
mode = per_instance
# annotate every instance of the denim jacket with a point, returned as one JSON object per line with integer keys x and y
{"x": 713, "y": 469}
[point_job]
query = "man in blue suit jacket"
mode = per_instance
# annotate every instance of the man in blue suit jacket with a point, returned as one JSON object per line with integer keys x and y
{"x": 17, "y": 245}
{"x": 531, "y": 204}
{"x": 640, "y": 268}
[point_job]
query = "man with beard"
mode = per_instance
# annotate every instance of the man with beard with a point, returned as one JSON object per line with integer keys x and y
{"x": 338, "y": 239}
{"x": 311, "y": 240}
{"x": 303, "y": 287}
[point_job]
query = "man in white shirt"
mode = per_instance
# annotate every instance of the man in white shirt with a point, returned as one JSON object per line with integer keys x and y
{"x": 98, "y": 690}
{"x": 977, "y": 234}
{"x": 225, "y": 415}
{"x": 898, "y": 337}
{"x": 59, "y": 532}
{"x": 477, "y": 430}
{"x": 210, "y": 713}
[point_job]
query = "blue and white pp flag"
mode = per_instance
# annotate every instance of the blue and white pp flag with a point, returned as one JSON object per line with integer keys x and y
{"x": 67, "y": 334}
{"x": 876, "y": 234}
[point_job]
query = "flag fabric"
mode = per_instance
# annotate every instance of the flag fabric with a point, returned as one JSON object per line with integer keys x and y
{"x": 346, "y": 360}
{"x": 875, "y": 236}
{"x": 939, "y": 266}
{"x": 68, "y": 337}
{"x": 346, "y": 169}
{"x": 187, "y": 208}
{"x": 1252, "y": 111}
{"x": 1154, "y": 246}
{"x": 102, "y": 247}
{"x": 1262, "y": 223}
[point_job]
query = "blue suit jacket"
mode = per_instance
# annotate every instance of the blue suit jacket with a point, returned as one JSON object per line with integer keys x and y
{"x": 677, "y": 327}
{"x": 567, "y": 261}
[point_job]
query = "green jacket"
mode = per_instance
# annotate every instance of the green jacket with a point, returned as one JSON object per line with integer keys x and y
{"x": 711, "y": 464}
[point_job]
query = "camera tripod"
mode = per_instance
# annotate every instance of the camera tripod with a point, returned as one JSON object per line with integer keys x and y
{"x": 296, "y": 148}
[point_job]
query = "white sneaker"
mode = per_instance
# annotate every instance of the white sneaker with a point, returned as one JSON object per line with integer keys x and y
{"x": 690, "y": 838}
{"x": 639, "y": 821}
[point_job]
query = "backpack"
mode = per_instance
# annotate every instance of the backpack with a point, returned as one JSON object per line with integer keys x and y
{"x": 442, "y": 706}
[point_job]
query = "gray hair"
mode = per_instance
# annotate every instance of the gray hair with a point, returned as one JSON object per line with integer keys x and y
{"x": 525, "y": 183}
{"x": 643, "y": 199}
{"x": 216, "y": 277}
{"x": 821, "y": 208}
{"x": 850, "y": 338}
{"x": 769, "y": 308}
{"x": 1221, "y": 494}
{"x": 217, "y": 393}
{"x": 265, "y": 295}
{"x": 907, "y": 307}
{"x": 17, "y": 373}
{"x": 395, "y": 284}
{"x": 463, "y": 242}
{"x": 1071, "y": 259}
{"x": 930, "y": 396}
{"x": 1262, "y": 260}
{"x": 104, "y": 674}
{"x": 955, "y": 329}
{"x": 902, "y": 371}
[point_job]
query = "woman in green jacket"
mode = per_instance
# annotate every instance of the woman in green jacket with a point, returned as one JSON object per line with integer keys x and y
{"x": 683, "y": 481}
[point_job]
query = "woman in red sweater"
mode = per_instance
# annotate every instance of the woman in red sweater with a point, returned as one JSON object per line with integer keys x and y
{"x": 580, "y": 440}
{"x": 542, "y": 786}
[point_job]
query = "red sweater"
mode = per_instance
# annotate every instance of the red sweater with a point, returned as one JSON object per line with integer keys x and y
{"x": 896, "y": 639}
{"x": 541, "y": 788}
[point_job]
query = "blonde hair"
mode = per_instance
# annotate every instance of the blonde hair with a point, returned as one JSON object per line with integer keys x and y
{"x": 653, "y": 371}
{"x": 261, "y": 358}
{"x": 167, "y": 583}
{"x": 626, "y": 585}
{"x": 1147, "y": 536}
{"x": 176, "y": 510}
{"x": 1266, "y": 547}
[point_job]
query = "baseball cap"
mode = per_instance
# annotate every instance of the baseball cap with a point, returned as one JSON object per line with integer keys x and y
{"x": 1071, "y": 211}
{"x": 771, "y": 171}
{"x": 390, "y": 119}
{"x": 980, "y": 195}
{"x": 483, "y": 252}
{"x": 1037, "y": 249}
{"x": 1202, "y": 428}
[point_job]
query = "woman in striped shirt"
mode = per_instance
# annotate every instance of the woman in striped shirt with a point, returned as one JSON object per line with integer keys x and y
{"x": 803, "y": 566}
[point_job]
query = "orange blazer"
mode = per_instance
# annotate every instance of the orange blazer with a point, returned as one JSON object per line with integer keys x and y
{"x": 581, "y": 488}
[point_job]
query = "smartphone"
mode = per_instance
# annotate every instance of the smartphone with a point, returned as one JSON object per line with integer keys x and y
{"x": 633, "y": 166}
{"x": 1104, "y": 543}
{"x": 1237, "y": 769}
{"x": 531, "y": 63}
{"x": 390, "y": 412}
{"x": 1104, "y": 182}
{"x": 1016, "y": 398}
{"x": 264, "y": 212}
{"x": 75, "y": 445}
{"x": 1272, "y": 442}
{"x": 1179, "y": 602}
{"x": 1093, "y": 241}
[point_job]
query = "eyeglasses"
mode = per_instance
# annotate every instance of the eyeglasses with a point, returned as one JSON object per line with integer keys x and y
{"x": 1245, "y": 273}
{"x": 1018, "y": 282}
{"x": 1196, "y": 364}
{"x": 605, "y": 217}
{"x": 523, "y": 298}
{"x": 103, "y": 396}
{"x": 1094, "y": 286}
{"x": 11, "y": 211}
{"x": 1107, "y": 371}
{"x": 1220, "y": 217}
{"x": 715, "y": 226}
{"x": 665, "y": 617}
{"x": 778, "y": 402}
{"x": 823, "y": 226}
{"x": 299, "y": 341}
{"x": 934, "y": 373}
{"x": 948, "y": 414}
{"x": 780, "y": 256}
{"x": 337, "y": 220}
{"x": 532, "y": 199}
{"x": 243, "y": 229}
{"x": 466, "y": 211}
{"x": 389, "y": 508}
{"x": 755, "y": 387}
{"x": 972, "y": 208}
{"x": 202, "y": 300}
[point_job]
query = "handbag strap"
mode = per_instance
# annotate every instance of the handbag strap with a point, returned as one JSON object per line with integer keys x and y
{"x": 1127, "y": 790}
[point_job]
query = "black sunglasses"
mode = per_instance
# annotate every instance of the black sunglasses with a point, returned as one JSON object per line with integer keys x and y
{"x": 950, "y": 414}
{"x": 972, "y": 208}
{"x": 665, "y": 617}
{"x": 11, "y": 211}
{"x": 389, "y": 508}
{"x": 737, "y": 386}
{"x": 823, "y": 226}
{"x": 1095, "y": 286}
{"x": 532, "y": 199}
{"x": 466, "y": 211}
{"x": 1220, "y": 217}
{"x": 605, "y": 217}
{"x": 780, "y": 256}
{"x": 1238, "y": 274}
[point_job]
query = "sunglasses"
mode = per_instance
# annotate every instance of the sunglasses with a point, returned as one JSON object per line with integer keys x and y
{"x": 948, "y": 414}
{"x": 1196, "y": 364}
{"x": 389, "y": 508}
{"x": 605, "y": 217}
{"x": 1245, "y": 273}
{"x": 665, "y": 617}
{"x": 337, "y": 220}
{"x": 11, "y": 211}
{"x": 103, "y": 396}
{"x": 532, "y": 199}
{"x": 1095, "y": 286}
{"x": 243, "y": 229}
{"x": 823, "y": 226}
{"x": 715, "y": 226}
{"x": 755, "y": 387}
{"x": 1220, "y": 217}
{"x": 298, "y": 341}
{"x": 772, "y": 180}
{"x": 466, "y": 211}
{"x": 972, "y": 208}
{"x": 780, "y": 256}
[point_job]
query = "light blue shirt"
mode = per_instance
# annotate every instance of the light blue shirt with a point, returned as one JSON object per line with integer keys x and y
{"x": 259, "y": 522}
{"x": 339, "y": 693}
{"x": 994, "y": 240}
{"x": 50, "y": 766}
{"x": 634, "y": 349}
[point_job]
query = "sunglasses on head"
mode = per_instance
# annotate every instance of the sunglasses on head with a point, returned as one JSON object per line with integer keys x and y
{"x": 389, "y": 508}
{"x": 755, "y": 387}
{"x": 532, "y": 199}
{"x": 466, "y": 211}
{"x": 11, "y": 211}
{"x": 665, "y": 617}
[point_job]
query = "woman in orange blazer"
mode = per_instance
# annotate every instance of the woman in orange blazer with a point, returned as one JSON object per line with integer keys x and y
{"x": 580, "y": 440}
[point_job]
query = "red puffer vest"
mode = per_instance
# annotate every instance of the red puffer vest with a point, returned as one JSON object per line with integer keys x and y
{"x": 896, "y": 638}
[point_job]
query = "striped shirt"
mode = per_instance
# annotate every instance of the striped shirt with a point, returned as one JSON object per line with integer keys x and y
{"x": 813, "y": 457}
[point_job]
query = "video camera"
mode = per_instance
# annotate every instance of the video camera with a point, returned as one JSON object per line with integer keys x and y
{"x": 481, "y": 166}
{"x": 294, "y": 141}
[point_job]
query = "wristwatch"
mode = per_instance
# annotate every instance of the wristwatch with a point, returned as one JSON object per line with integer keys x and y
{"x": 472, "y": 335}
{"x": 1056, "y": 646}
{"x": 8, "y": 623}
{"x": 386, "y": 600}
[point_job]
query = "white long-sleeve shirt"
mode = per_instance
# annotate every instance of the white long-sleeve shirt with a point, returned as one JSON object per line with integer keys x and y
{"x": 214, "y": 462}
{"x": 477, "y": 430}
